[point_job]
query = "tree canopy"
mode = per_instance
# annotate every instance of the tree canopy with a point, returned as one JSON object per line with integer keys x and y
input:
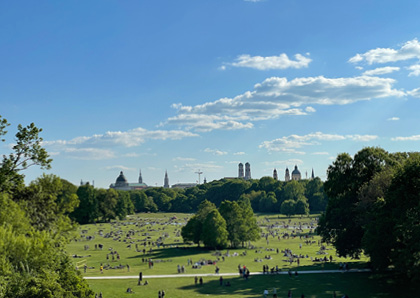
{"x": 374, "y": 207}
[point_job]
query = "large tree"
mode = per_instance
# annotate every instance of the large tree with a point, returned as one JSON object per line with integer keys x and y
{"x": 214, "y": 233}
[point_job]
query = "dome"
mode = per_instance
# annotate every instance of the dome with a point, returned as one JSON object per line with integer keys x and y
{"x": 296, "y": 171}
{"x": 121, "y": 179}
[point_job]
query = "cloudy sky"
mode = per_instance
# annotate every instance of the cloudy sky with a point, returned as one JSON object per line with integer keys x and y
{"x": 197, "y": 85}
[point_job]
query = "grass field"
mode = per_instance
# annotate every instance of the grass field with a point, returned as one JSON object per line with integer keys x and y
{"x": 133, "y": 241}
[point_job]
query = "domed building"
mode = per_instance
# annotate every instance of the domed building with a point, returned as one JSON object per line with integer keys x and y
{"x": 121, "y": 183}
{"x": 296, "y": 174}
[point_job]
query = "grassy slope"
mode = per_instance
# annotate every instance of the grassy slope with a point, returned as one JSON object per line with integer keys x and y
{"x": 174, "y": 253}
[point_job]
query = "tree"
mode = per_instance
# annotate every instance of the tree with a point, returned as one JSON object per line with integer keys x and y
{"x": 124, "y": 205}
{"x": 288, "y": 207}
{"x": 27, "y": 152}
{"x": 341, "y": 223}
{"x": 302, "y": 206}
{"x": 214, "y": 230}
{"x": 293, "y": 190}
{"x": 402, "y": 212}
{"x": 88, "y": 211}
{"x": 193, "y": 230}
{"x": 232, "y": 213}
{"x": 268, "y": 203}
{"x": 250, "y": 231}
{"x": 47, "y": 201}
{"x": 314, "y": 191}
{"x": 107, "y": 200}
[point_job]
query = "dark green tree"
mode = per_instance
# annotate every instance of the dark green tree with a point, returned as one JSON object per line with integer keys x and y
{"x": 88, "y": 210}
{"x": 342, "y": 223}
{"x": 235, "y": 224}
{"x": 214, "y": 232}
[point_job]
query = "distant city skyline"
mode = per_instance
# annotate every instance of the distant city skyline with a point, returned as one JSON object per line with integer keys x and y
{"x": 204, "y": 85}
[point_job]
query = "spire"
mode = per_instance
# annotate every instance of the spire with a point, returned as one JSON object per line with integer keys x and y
{"x": 166, "y": 180}
{"x": 275, "y": 175}
{"x": 140, "y": 178}
{"x": 313, "y": 175}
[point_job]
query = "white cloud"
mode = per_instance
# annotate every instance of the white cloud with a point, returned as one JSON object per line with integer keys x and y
{"x": 215, "y": 151}
{"x": 132, "y": 154}
{"x": 131, "y": 138}
{"x": 276, "y": 96}
{"x": 415, "y": 70}
{"x": 310, "y": 110}
{"x": 411, "y": 138}
{"x": 290, "y": 143}
{"x": 380, "y": 71}
{"x": 120, "y": 168}
{"x": 320, "y": 153}
{"x": 414, "y": 92}
{"x": 393, "y": 119}
{"x": 239, "y": 153}
{"x": 88, "y": 153}
{"x": 183, "y": 159}
{"x": 98, "y": 146}
{"x": 410, "y": 50}
{"x": 281, "y": 61}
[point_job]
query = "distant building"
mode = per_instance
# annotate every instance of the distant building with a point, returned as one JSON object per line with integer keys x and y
{"x": 287, "y": 175}
{"x": 296, "y": 174}
{"x": 166, "y": 180}
{"x": 247, "y": 171}
{"x": 241, "y": 170}
{"x": 241, "y": 175}
{"x": 121, "y": 183}
{"x": 275, "y": 175}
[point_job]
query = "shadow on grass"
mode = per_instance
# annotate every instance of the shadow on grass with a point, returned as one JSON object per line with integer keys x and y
{"x": 168, "y": 253}
{"x": 312, "y": 285}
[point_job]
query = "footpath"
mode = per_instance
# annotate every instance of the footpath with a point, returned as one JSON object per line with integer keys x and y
{"x": 226, "y": 274}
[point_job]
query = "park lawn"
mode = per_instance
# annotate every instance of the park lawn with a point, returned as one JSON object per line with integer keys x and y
{"x": 361, "y": 285}
{"x": 176, "y": 253}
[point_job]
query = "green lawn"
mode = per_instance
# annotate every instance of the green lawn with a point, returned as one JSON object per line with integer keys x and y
{"x": 122, "y": 238}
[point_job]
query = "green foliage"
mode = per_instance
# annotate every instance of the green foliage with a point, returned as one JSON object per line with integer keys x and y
{"x": 32, "y": 266}
{"x": 27, "y": 152}
{"x": 374, "y": 206}
{"x": 288, "y": 207}
{"x": 214, "y": 230}
{"x": 341, "y": 224}
{"x": 88, "y": 211}
{"x": 238, "y": 222}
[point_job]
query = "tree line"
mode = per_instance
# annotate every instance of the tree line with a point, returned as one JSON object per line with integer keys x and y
{"x": 374, "y": 208}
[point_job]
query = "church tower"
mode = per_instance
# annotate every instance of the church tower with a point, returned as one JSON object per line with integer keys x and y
{"x": 241, "y": 170}
{"x": 140, "y": 178}
{"x": 313, "y": 175}
{"x": 275, "y": 175}
{"x": 166, "y": 181}
{"x": 247, "y": 171}
{"x": 287, "y": 176}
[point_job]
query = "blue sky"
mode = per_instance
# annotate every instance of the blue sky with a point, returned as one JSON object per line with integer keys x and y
{"x": 196, "y": 85}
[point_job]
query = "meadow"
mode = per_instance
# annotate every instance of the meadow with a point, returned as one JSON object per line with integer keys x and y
{"x": 124, "y": 249}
